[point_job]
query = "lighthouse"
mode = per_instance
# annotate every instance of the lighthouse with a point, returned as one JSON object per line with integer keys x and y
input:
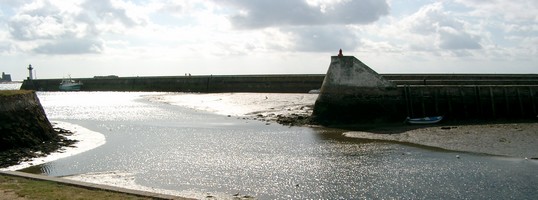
{"x": 30, "y": 68}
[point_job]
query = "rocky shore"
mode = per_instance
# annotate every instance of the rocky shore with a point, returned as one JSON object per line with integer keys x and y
{"x": 25, "y": 131}
{"x": 15, "y": 155}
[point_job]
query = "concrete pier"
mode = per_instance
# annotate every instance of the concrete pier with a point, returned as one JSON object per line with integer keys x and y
{"x": 353, "y": 93}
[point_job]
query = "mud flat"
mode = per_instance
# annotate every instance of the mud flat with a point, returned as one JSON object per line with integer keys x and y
{"x": 504, "y": 139}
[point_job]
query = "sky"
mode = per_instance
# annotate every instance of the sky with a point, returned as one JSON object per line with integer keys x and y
{"x": 86, "y": 38}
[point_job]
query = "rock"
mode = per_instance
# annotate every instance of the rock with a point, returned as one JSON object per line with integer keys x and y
{"x": 25, "y": 128}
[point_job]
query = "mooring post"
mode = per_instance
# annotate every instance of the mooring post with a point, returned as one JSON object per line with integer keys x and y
{"x": 435, "y": 99}
{"x": 406, "y": 100}
{"x": 207, "y": 87}
{"x": 478, "y": 101}
{"x": 410, "y": 102}
{"x": 492, "y": 102}
{"x": 531, "y": 91}
{"x": 464, "y": 102}
{"x": 520, "y": 102}
{"x": 506, "y": 101}
{"x": 422, "y": 101}
{"x": 449, "y": 97}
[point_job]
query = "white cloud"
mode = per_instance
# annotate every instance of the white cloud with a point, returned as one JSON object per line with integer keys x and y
{"x": 323, "y": 38}
{"x": 518, "y": 10}
{"x": 449, "y": 32}
{"x": 73, "y": 46}
{"x": 255, "y": 36}
{"x": 452, "y": 39}
{"x": 260, "y": 13}
{"x": 114, "y": 12}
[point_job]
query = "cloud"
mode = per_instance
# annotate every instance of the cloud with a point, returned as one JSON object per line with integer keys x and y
{"x": 58, "y": 27}
{"x": 38, "y": 21}
{"x": 451, "y": 39}
{"x": 260, "y": 13}
{"x": 517, "y": 10}
{"x": 323, "y": 38}
{"x": 5, "y": 47}
{"x": 71, "y": 46}
{"x": 106, "y": 12}
{"x": 444, "y": 29}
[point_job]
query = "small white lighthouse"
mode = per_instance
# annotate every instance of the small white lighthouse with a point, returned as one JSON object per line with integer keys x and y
{"x": 30, "y": 68}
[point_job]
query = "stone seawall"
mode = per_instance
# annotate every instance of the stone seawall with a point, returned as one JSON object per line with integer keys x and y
{"x": 23, "y": 120}
{"x": 206, "y": 84}
{"x": 354, "y": 93}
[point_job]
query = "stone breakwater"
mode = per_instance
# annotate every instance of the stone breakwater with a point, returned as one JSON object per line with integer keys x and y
{"x": 285, "y": 83}
{"x": 354, "y": 93}
{"x": 25, "y": 130}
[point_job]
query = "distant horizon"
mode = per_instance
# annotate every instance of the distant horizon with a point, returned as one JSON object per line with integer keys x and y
{"x": 128, "y": 38}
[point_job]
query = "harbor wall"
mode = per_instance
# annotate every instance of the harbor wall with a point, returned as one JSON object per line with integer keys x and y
{"x": 351, "y": 97}
{"x": 356, "y": 95}
{"x": 206, "y": 84}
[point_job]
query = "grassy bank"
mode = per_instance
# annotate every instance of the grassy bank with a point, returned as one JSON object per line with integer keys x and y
{"x": 22, "y": 188}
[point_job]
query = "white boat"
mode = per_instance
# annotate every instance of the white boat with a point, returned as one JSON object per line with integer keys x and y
{"x": 316, "y": 91}
{"x": 424, "y": 120}
{"x": 70, "y": 85}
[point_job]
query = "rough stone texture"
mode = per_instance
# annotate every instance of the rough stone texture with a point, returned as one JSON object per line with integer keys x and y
{"x": 352, "y": 91}
{"x": 23, "y": 122}
{"x": 350, "y": 71}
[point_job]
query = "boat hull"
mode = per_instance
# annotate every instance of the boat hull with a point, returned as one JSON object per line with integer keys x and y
{"x": 425, "y": 120}
{"x": 70, "y": 87}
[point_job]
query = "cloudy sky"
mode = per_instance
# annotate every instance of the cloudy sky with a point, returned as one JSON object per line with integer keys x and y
{"x": 85, "y": 38}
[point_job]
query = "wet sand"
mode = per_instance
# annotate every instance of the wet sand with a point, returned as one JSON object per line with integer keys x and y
{"x": 504, "y": 139}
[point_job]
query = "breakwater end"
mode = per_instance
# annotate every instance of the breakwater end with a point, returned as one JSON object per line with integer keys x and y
{"x": 354, "y": 93}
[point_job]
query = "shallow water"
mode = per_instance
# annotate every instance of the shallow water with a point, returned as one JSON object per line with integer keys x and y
{"x": 171, "y": 149}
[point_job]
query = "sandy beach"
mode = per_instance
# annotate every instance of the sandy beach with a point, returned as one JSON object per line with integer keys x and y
{"x": 504, "y": 139}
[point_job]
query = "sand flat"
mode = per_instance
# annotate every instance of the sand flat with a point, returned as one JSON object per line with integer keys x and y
{"x": 509, "y": 139}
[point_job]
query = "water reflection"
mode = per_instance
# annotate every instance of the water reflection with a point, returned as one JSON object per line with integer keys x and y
{"x": 193, "y": 153}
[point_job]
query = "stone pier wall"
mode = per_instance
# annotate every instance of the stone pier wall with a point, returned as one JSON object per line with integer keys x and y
{"x": 233, "y": 83}
{"x": 354, "y": 93}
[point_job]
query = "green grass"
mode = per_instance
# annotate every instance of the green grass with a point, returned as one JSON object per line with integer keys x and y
{"x": 14, "y": 92}
{"x": 22, "y": 188}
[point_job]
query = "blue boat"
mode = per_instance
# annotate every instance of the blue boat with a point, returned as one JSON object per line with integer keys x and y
{"x": 424, "y": 120}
